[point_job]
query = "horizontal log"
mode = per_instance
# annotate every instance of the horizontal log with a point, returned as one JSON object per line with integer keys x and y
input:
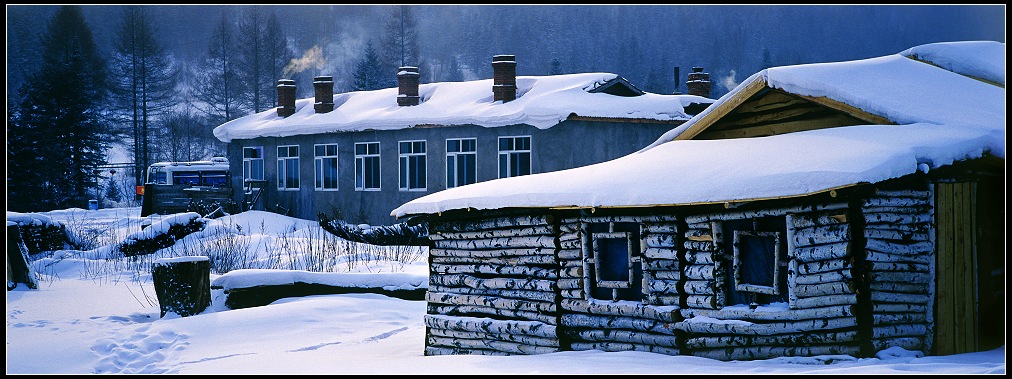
{"x": 579, "y": 320}
{"x": 447, "y": 350}
{"x": 488, "y": 223}
{"x": 533, "y": 242}
{"x": 696, "y": 257}
{"x": 620, "y": 346}
{"x": 490, "y": 326}
{"x": 838, "y": 250}
{"x": 824, "y": 277}
{"x": 823, "y": 266}
{"x": 533, "y": 272}
{"x": 659, "y": 228}
{"x": 701, "y": 301}
{"x": 895, "y": 235}
{"x": 695, "y": 219}
{"x": 513, "y": 294}
{"x": 894, "y": 297}
{"x": 656, "y": 218}
{"x": 506, "y": 261}
{"x": 787, "y": 340}
{"x": 699, "y": 287}
{"x": 700, "y": 272}
{"x": 909, "y": 343}
{"x": 895, "y": 202}
{"x": 899, "y": 287}
{"x": 811, "y": 220}
{"x": 493, "y": 233}
{"x": 477, "y": 311}
{"x": 490, "y": 301}
{"x": 898, "y": 318}
{"x": 623, "y": 308}
{"x": 903, "y": 193}
{"x": 899, "y": 210}
{"x": 661, "y": 240}
{"x": 666, "y": 275}
{"x": 901, "y": 277}
{"x": 898, "y": 266}
{"x": 923, "y": 227}
{"x": 573, "y": 294}
{"x": 570, "y": 263}
{"x": 497, "y": 253}
{"x": 898, "y": 308}
{"x": 822, "y": 235}
{"x": 768, "y": 328}
{"x": 627, "y": 336}
{"x": 461, "y": 280}
{"x": 571, "y": 272}
{"x": 661, "y": 300}
{"x": 825, "y": 301}
{"x": 904, "y": 330}
{"x": 503, "y": 346}
{"x": 875, "y": 257}
{"x": 767, "y": 352}
{"x": 568, "y": 284}
{"x": 516, "y": 338}
{"x": 824, "y": 289}
{"x": 660, "y": 253}
{"x": 663, "y": 287}
{"x": 702, "y": 224}
{"x": 770, "y": 313}
{"x": 896, "y": 218}
{"x": 698, "y": 245}
{"x": 660, "y": 264}
{"x": 569, "y": 254}
{"x": 572, "y": 244}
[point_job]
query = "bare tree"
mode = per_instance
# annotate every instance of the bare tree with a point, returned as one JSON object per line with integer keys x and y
{"x": 217, "y": 86}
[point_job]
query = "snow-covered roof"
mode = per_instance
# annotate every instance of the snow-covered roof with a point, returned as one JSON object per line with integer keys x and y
{"x": 940, "y": 116}
{"x": 542, "y": 101}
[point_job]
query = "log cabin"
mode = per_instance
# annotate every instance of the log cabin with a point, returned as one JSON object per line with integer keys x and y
{"x": 818, "y": 209}
{"x": 354, "y": 156}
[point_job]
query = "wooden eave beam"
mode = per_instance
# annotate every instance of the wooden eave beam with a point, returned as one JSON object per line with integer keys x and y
{"x": 849, "y": 109}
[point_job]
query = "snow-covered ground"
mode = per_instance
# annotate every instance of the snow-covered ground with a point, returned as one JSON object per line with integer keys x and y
{"x": 97, "y": 314}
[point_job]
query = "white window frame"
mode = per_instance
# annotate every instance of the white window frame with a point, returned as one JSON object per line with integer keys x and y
{"x": 509, "y": 152}
{"x": 360, "y": 160}
{"x": 406, "y": 163}
{"x": 283, "y": 168}
{"x": 452, "y": 156}
{"x": 320, "y": 183}
{"x": 247, "y": 163}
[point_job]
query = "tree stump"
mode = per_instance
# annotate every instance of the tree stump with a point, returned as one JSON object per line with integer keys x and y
{"x": 18, "y": 270}
{"x": 182, "y": 284}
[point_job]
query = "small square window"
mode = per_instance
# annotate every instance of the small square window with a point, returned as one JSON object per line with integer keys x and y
{"x": 757, "y": 257}
{"x": 612, "y": 261}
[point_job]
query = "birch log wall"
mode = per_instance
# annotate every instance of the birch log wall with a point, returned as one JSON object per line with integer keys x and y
{"x": 859, "y": 276}
{"x": 900, "y": 260}
{"x": 492, "y": 286}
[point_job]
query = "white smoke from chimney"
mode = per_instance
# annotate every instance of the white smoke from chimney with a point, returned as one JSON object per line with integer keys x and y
{"x": 312, "y": 58}
{"x": 729, "y": 82}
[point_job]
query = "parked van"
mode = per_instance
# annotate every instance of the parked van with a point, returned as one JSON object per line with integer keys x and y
{"x": 170, "y": 187}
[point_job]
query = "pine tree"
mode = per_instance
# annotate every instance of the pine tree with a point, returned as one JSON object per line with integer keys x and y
{"x": 399, "y": 45}
{"x": 369, "y": 72}
{"x": 144, "y": 85}
{"x": 56, "y": 138}
{"x": 217, "y": 86}
{"x": 556, "y": 67}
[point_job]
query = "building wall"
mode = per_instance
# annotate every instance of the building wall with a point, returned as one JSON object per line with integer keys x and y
{"x": 854, "y": 278}
{"x": 566, "y": 145}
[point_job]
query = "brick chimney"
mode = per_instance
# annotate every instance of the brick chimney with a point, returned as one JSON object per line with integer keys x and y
{"x": 698, "y": 82}
{"x": 504, "y": 78}
{"x": 324, "y": 88}
{"x": 286, "y": 97}
{"x": 407, "y": 86}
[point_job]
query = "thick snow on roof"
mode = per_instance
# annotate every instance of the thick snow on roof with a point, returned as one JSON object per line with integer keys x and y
{"x": 542, "y": 101}
{"x": 942, "y": 117}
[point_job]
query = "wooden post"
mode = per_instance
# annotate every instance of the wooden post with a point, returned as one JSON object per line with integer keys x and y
{"x": 182, "y": 284}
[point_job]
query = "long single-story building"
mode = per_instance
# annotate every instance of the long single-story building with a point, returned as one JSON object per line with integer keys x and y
{"x": 354, "y": 156}
{"x": 830, "y": 208}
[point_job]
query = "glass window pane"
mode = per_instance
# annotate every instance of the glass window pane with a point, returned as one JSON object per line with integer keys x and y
{"x": 504, "y": 165}
{"x": 451, "y": 172}
{"x": 452, "y": 145}
{"x": 470, "y": 169}
{"x": 525, "y": 163}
